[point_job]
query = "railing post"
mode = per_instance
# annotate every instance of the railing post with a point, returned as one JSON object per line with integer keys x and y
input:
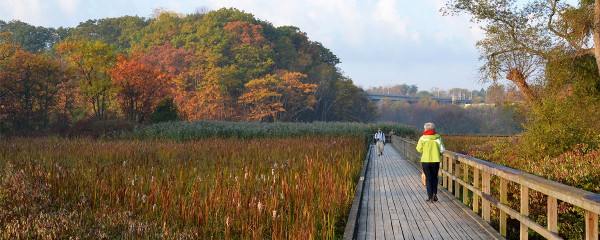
{"x": 476, "y": 185}
{"x": 485, "y": 204}
{"x": 450, "y": 171}
{"x": 591, "y": 225}
{"x": 445, "y": 167}
{"x": 524, "y": 235}
{"x": 465, "y": 170}
{"x": 457, "y": 175}
{"x": 552, "y": 214}
{"x": 503, "y": 200}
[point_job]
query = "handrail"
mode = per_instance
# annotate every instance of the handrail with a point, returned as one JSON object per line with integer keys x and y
{"x": 455, "y": 169}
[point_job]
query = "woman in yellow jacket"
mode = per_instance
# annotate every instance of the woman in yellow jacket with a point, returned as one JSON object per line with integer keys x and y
{"x": 430, "y": 146}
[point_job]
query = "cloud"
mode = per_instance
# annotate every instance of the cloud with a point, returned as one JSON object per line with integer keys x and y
{"x": 24, "y": 10}
{"x": 385, "y": 13}
{"x": 68, "y": 6}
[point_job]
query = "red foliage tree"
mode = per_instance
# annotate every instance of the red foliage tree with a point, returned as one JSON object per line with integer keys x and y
{"x": 140, "y": 87}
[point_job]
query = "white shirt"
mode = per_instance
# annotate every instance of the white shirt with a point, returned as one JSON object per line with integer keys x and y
{"x": 380, "y": 136}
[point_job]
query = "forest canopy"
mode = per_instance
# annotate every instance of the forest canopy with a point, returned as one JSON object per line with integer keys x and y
{"x": 219, "y": 65}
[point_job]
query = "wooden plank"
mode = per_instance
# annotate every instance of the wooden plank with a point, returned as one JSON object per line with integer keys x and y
{"x": 466, "y": 179}
{"x": 414, "y": 203}
{"x": 457, "y": 174}
{"x": 445, "y": 167}
{"x": 476, "y": 185}
{"x": 412, "y": 217}
{"x": 591, "y": 225}
{"x": 395, "y": 208}
{"x": 504, "y": 200}
{"x": 552, "y": 214}
{"x": 578, "y": 197}
{"x": 392, "y": 192}
{"x": 379, "y": 234}
{"x": 450, "y": 170}
{"x": 485, "y": 204}
{"x": 524, "y": 232}
{"x": 437, "y": 231}
{"x": 404, "y": 214}
{"x": 387, "y": 201}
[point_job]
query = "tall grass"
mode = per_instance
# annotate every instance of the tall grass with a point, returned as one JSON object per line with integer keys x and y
{"x": 206, "y": 129}
{"x": 285, "y": 188}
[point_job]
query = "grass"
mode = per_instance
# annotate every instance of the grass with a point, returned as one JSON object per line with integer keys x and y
{"x": 286, "y": 188}
{"x": 183, "y": 131}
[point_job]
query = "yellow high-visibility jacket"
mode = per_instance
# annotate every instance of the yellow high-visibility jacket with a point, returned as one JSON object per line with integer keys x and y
{"x": 430, "y": 147}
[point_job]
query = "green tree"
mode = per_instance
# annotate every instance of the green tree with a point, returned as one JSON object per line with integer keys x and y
{"x": 91, "y": 61}
{"x": 117, "y": 32}
{"x": 30, "y": 38}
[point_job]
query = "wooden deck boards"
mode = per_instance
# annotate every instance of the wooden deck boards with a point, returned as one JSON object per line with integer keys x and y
{"x": 393, "y": 205}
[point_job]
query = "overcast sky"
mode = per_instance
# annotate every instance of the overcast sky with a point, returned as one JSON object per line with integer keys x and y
{"x": 380, "y": 42}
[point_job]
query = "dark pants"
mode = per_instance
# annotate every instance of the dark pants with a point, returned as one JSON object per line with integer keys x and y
{"x": 431, "y": 177}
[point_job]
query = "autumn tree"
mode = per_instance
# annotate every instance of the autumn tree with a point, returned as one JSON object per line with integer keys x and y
{"x": 30, "y": 84}
{"x": 548, "y": 50}
{"x": 139, "y": 87}
{"x": 91, "y": 61}
{"x": 182, "y": 65}
{"x": 277, "y": 97}
{"x": 296, "y": 96}
{"x": 261, "y": 97}
{"x": 521, "y": 38}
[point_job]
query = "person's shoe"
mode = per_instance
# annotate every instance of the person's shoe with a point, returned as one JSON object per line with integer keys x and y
{"x": 435, "y": 197}
{"x": 428, "y": 201}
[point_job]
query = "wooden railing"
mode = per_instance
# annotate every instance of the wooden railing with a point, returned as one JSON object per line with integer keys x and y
{"x": 456, "y": 170}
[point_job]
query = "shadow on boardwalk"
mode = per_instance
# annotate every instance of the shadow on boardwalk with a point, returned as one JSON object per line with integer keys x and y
{"x": 393, "y": 205}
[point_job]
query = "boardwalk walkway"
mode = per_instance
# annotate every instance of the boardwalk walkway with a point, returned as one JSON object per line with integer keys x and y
{"x": 393, "y": 205}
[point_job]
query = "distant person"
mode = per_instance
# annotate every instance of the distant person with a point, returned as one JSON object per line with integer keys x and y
{"x": 380, "y": 139}
{"x": 431, "y": 147}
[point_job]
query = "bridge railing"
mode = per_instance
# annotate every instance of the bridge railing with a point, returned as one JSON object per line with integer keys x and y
{"x": 469, "y": 174}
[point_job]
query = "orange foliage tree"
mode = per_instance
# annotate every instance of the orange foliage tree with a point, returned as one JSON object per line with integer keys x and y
{"x": 140, "y": 87}
{"x": 278, "y": 97}
{"x": 29, "y": 88}
{"x": 181, "y": 64}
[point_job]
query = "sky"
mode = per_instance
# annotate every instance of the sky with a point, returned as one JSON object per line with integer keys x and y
{"x": 379, "y": 42}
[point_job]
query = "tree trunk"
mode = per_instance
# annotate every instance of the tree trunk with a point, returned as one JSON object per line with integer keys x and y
{"x": 517, "y": 77}
{"x": 596, "y": 33}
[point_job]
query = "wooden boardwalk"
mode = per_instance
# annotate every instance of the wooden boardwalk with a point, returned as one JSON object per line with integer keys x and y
{"x": 393, "y": 205}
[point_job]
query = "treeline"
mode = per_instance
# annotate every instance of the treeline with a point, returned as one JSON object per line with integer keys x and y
{"x": 485, "y": 119}
{"x": 219, "y": 65}
{"x": 496, "y": 93}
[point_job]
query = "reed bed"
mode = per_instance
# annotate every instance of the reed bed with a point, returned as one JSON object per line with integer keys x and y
{"x": 183, "y": 131}
{"x": 214, "y": 188}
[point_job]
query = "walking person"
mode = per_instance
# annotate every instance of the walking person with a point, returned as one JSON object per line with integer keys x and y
{"x": 431, "y": 147}
{"x": 380, "y": 139}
